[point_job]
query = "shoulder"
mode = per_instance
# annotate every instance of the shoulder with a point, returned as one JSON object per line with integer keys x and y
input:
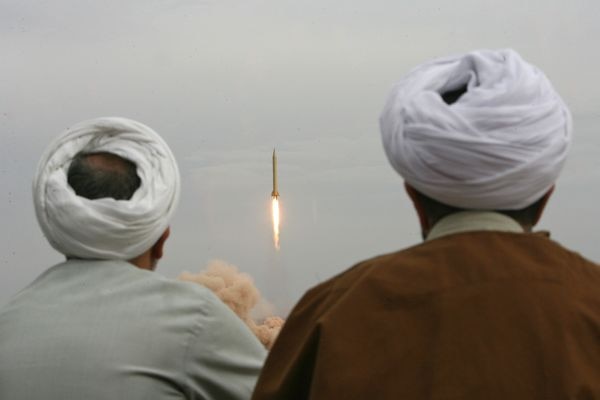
{"x": 451, "y": 260}
{"x": 181, "y": 289}
{"x": 366, "y": 268}
{"x": 124, "y": 288}
{"x": 214, "y": 320}
{"x": 574, "y": 266}
{"x": 320, "y": 299}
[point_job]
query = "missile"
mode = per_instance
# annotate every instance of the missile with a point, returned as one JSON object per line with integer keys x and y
{"x": 274, "y": 193}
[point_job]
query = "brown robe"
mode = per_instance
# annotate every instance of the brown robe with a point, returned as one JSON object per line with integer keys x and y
{"x": 476, "y": 315}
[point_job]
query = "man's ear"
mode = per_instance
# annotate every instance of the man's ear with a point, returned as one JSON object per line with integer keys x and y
{"x": 543, "y": 202}
{"x": 157, "y": 249}
{"x": 414, "y": 196}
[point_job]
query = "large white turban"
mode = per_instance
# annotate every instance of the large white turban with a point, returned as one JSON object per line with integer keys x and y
{"x": 106, "y": 228}
{"x": 500, "y": 146}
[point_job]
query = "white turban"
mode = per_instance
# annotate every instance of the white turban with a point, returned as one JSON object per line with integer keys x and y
{"x": 500, "y": 146}
{"x": 106, "y": 228}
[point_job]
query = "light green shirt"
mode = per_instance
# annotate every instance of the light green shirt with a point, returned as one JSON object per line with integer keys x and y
{"x": 466, "y": 221}
{"x": 99, "y": 330}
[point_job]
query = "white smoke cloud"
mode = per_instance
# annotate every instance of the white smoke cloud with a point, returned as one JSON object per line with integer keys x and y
{"x": 237, "y": 290}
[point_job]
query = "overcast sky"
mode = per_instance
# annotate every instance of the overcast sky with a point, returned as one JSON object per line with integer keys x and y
{"x": 226, "y": 81}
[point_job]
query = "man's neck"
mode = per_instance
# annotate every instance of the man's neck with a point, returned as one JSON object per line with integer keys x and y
{"x": 144, "y": 261}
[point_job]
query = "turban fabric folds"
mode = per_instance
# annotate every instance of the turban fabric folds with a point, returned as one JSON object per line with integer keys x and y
{"x": 500, "y": 146}
{"x": 106, "y": 228}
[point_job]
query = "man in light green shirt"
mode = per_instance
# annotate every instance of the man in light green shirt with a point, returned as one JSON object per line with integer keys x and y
{"x": 102, "y": 325}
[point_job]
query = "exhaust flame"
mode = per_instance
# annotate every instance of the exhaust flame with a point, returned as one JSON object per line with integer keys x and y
{"x": 275, "y": 210}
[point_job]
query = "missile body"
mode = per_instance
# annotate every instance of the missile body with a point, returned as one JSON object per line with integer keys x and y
{"x": 274, "y": 193}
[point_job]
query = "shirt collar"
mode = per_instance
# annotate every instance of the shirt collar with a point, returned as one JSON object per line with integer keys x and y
{"x": 467, "y": 221}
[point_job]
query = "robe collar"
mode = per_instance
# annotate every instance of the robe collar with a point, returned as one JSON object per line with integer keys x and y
{"x": 467, "y": 221}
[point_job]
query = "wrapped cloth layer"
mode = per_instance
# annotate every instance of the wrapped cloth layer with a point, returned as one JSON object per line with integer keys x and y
{"x": 500, "y": 146}
{"x": 106, "y": 228}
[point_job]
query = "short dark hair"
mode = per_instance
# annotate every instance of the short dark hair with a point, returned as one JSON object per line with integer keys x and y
{"x": 436, "y": 210}
{"x": 452, "y": 96}
{"x": 102, "y": 174}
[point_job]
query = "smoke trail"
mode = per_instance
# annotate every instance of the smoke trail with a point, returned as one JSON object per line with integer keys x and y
{"x": 237, "y": 290}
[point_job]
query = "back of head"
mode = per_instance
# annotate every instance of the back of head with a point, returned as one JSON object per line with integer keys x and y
{"x": 527, "y": 216}
{"x": 99, "y": 175}
{"x": 106, "y": 189}
{"x": 480, "y": 131}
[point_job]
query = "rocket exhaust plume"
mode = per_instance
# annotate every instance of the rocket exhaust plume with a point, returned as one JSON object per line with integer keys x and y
{"x": 237, "y": 290}
{"x": 275, "y": 203}
{"x": 275, "y": 211}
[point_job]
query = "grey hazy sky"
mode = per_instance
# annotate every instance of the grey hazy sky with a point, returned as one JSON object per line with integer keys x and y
{"x": 225, "y": 81}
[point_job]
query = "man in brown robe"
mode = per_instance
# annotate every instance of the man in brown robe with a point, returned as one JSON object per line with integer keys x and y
{"x": 483, "y": 308}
